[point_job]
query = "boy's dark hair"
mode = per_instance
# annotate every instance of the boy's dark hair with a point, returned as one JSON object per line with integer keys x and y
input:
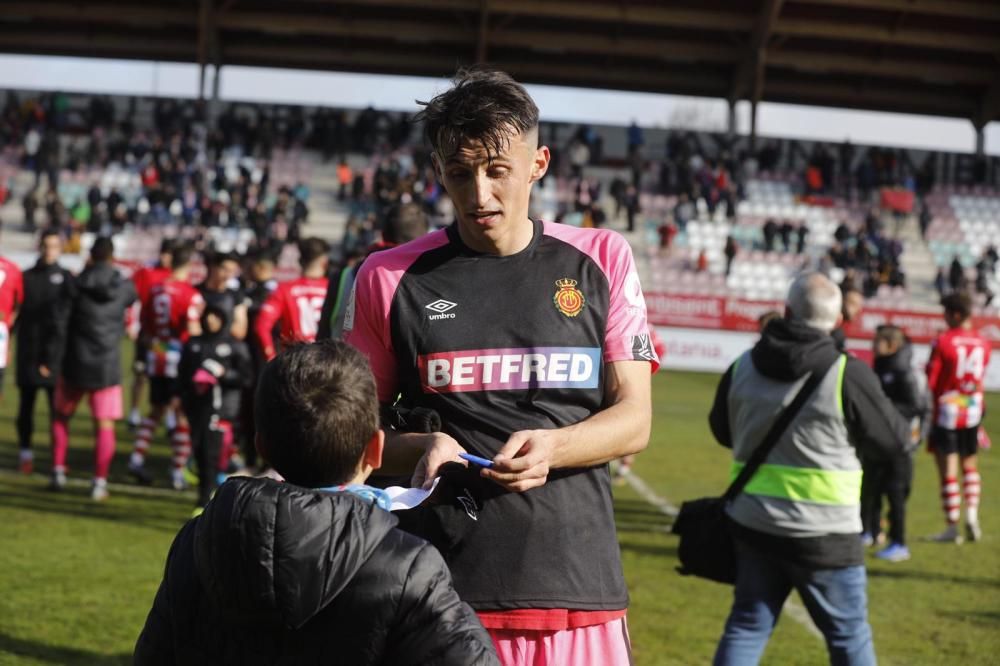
{"x": 315, "y": 411}
{"x": 483, "y": 105}
{"x": 180, "y": 256}
{"x": 894, "y": 335}
{"x": 403, "y": 223}
{"x": 102, "y": 250}
{"x": 958, "y": 303}
{"x": 311, "y": 249}
{"x": 48, "y": 233}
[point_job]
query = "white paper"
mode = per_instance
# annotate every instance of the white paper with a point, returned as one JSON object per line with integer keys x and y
{"x": 407, "y": 498}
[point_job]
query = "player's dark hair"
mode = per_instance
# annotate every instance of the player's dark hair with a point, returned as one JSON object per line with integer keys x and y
{"x": 48, "y": 233}
{"x": 216, "y": 259}
{"x": 403, "y": 223}
{"x": 958, "y": 303}
{"x": 180, "y": 256}
{"x": 315, "y": 411}
{"x": 311, "y": 249}
{"x": 484, "y": 106}
{"x": 102, "y": 250}
{"x": 167, "y": 246}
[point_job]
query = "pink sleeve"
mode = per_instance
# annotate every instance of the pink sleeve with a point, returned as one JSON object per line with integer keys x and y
{"x": 626, "y": 336}
{"x": 366, "y": 321}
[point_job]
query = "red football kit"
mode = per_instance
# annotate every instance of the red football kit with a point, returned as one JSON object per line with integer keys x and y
{"x": 170, "y": 307}
{"x": 295, "y": 305}
{"x": 955, "y": 372}
{"x": 11, "y": 298}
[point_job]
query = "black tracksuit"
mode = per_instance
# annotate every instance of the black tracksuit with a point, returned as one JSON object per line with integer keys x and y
{"x": 272, "y": 573}
{"x": 893, "y": 477}
{"x": 46, "y": 289}
{"x": 228, "y": 360}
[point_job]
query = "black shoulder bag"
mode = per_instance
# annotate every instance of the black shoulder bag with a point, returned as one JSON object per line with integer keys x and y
{"x": 706, "y": 546}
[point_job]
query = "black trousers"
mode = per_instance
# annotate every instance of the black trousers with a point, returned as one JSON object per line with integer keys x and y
{"x": 893, "y": 479}
{"x": 26, "y": 412}
{"x": 206, "y": 443}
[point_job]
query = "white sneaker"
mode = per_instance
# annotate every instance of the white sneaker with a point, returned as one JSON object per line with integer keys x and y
{"x": 58, "y": 481}
{"x": 99, "y": 491}
{"x": 949, "y": 535}
{"x": 134, "y": 418}
{"x": 973, "y": 531}
{"x": 177, "y": 479}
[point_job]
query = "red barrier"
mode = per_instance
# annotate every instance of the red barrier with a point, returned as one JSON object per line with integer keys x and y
{"x": 736, "y": 314}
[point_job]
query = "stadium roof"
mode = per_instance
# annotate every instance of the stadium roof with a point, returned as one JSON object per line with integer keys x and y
{"x": 936, "y": 57}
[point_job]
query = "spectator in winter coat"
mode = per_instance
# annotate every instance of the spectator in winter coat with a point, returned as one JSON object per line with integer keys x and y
{"x": 46, "y": 287}
{"x": 312, "y": 571}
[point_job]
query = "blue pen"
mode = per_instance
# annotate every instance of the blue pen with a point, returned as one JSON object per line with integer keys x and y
{"x": 476, "y": 460}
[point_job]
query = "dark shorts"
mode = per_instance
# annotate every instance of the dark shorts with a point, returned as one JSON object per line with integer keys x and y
{"x": 964, "y": 442}
{"x": 162, "y": 390}
{"x": 139, "y": 360}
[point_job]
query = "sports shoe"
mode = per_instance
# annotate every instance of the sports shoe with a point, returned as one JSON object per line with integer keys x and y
{"x": 26, "y": 461}
{"x": 866, "y": 540}
{"x": 139, "y": 473}
{"x": 99, "y": 491}
{"x": 134, "y": 418}
{"x": 973, "y": 532}
{"x": 177, "y": 479}
{"x": 949, "y": 535}
{"x": 58, "y": 481}
{"x": 895, "y": 552}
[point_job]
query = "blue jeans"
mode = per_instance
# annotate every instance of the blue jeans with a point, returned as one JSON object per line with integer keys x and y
{"x": 835, "y": 598}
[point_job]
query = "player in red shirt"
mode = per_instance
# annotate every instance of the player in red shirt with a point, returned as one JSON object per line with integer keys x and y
{"x": 170, "y": 315}
{"x": 145, "y": 278}
{"x": 296, "y": 305}
{"x": 955, "y": 372}
{"x": 11, "y": 298}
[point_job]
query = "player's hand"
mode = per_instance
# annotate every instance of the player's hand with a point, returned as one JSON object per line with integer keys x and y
{"x": 441, "y": 449}
{"x": 44, "y": 371}
{"x": 524, "y": 461}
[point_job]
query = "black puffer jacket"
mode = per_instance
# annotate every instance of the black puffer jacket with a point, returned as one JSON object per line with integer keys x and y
{"x": 91, "y": 326}
{"x": 276, "y": 574}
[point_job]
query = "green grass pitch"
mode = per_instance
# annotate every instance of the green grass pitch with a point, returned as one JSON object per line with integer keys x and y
{"x": 76, "y": 579}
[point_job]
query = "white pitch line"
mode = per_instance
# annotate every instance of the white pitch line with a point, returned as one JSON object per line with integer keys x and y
{"x": 120, "y": 488}
{"x": 792, "y": 607}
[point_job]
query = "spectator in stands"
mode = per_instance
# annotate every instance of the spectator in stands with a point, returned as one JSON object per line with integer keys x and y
{"x": 631, "y": 206}
{"x": 984, "y": 279}
{"x": 793, "y": 535}
{"x": 47, "y": 288}
{"x": 667, "y": 232}
{"x": 956, "y": 276}
{"x": 925, "y": 220}
{"x": 684, "y": 211}
{"x": 702, "y": 264}
{"x": 941, "y": 283}
{"x": 770, "y": 235}
{"x": 731, "y": 250}
{"x": 786, "y": 231}
{"x": 87, "y": 334}
{"x": 802, "y": 232}
{"x": 336, "y": 580}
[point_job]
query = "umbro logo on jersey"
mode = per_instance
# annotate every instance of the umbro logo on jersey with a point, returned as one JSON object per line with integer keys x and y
{"x": 440, "y": 307}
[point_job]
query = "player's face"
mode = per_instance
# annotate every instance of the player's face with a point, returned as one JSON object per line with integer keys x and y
{"x": 51, "y": 249}
{"x": 491, "y": 196}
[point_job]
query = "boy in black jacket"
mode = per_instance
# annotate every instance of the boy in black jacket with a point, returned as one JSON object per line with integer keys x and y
{"x": 213, "y": 370}
{"x": 312, "y": 573}
{"x": 894, "y": 476}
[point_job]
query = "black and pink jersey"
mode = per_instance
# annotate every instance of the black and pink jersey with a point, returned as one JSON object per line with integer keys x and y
{"x": 501, "y": 344}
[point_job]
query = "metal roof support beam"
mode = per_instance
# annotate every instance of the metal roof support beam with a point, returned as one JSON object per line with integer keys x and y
{"x": 955, "y": 8}
{"x": 749, "y": 77}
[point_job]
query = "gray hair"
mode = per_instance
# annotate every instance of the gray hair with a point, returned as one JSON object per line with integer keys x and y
{"x": 816, "y": 300}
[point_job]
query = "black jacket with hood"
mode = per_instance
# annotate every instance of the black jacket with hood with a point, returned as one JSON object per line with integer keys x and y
{"x": 900, "y": 383}
{"x": 786, "y": 351}
{"x": 272, "y": 573}
{"x": 90, "y": 326}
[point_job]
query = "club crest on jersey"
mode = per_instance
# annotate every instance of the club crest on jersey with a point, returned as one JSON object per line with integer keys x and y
{"x": 568, "y": 299}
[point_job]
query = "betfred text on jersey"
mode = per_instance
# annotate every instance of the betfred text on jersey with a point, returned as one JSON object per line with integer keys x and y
{"x": 510, "y": 369}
